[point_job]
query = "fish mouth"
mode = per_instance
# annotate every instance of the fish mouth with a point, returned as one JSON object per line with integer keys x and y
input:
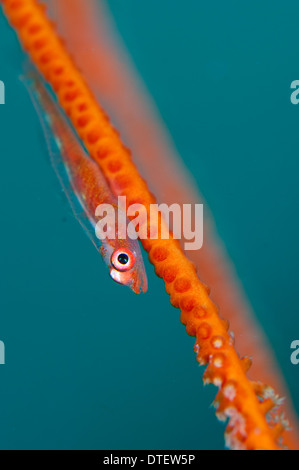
{"x": 137, "y": 283}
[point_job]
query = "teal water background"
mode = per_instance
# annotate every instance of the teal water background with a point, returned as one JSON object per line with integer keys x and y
{"x": 88, "y": 363}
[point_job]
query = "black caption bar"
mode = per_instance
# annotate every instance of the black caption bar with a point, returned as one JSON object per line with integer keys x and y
{"x": 106, "y": 459}
{"x": 94, "y": 459}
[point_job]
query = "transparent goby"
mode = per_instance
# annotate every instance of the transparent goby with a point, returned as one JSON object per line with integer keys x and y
{"x": 85, "y": 187}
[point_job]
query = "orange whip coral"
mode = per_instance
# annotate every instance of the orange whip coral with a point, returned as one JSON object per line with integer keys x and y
{"x": 106, "y": 65}
{"x": 243, "y": 402}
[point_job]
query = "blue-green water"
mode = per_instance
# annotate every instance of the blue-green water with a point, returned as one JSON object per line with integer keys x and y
{"x": 88, "y": 363}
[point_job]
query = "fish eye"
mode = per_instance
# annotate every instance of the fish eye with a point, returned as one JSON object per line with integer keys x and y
{"x": 123, "y": 259}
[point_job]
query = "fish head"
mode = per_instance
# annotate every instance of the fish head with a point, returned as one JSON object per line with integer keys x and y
{"x": 126, "y": 266}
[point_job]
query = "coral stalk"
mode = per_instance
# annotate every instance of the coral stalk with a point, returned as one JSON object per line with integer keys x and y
{"x": 102, "y": 56}
{"x": 244, "y": 403}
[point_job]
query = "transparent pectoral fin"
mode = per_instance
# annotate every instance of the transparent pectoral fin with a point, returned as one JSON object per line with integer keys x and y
{"x": 80, "y": 211}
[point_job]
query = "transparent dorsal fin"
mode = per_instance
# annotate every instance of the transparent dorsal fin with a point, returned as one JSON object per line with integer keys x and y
{"x": 58, "y": 146}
